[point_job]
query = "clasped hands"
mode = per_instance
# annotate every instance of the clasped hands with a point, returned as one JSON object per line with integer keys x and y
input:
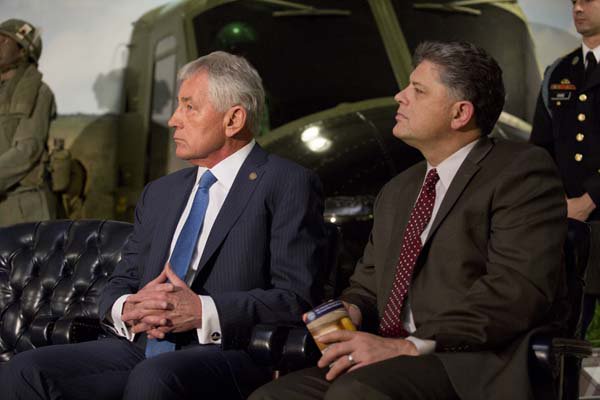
{"x": 349, "y": 350}
{"x": 166, "y": 304}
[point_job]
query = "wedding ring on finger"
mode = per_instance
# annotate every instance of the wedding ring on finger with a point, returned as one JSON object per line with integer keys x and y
{"x": 351, "y": 359}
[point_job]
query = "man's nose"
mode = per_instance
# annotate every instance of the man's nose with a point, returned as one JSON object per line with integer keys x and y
{"x": 400, "y": 97}
{"x": 174, "y": 121}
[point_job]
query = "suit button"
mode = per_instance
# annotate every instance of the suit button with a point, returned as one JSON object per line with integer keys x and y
{"x": 578, "y": 157}
{"x": 581, "y": 117}
{"x": 583, "y": 98}
{"x": 579, "y": 137}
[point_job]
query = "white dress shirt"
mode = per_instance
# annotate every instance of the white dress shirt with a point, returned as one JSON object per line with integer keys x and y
{"x": 225, "y": 172}
{"x": 446, "y": 170}
{"x": 595, "y": 50}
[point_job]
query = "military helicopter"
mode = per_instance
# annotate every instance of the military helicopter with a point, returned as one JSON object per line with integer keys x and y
{"x": 330, "y": 69}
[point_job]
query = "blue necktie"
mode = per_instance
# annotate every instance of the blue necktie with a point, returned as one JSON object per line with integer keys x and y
{"x": 184, "y": 249}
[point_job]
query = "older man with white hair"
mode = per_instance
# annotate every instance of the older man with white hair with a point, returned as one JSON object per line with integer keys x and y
{"x": 235, "y": 240}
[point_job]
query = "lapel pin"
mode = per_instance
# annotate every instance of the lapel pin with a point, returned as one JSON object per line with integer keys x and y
{"x": 252, "y": 176}
{"x": 575, "y": 60}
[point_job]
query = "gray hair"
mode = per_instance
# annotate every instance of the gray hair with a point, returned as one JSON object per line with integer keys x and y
{"x": 470, "y": 74}
{"x": 231, "y": 81}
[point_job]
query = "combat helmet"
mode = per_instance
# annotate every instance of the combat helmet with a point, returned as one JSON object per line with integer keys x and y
{"x": 25, "y": 34}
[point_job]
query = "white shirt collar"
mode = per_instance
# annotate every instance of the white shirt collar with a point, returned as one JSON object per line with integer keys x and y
{"x": 226, "y": 170}
{"x": 448, "y": 168}
{"x": 585, "y": 50}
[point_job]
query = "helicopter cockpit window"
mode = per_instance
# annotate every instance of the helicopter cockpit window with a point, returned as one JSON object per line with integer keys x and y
{"x": 325, "y": 55}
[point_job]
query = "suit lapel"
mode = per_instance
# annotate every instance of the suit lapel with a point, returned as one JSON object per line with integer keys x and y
{"x": 463, "y": 176}
{"x": 237, "y": 199}
{"x": 165, "y": 226}
{"x": 406, "y": 202}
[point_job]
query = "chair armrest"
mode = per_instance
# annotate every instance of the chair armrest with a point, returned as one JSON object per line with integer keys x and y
{"x": 572, "y": 347}
{"x": 548, "y": 350}
{"x": 284, "y": 348}
{"x": 75, "y": 330}
{"x": 300, "y": 351}
{"x": 41, "y": 330}
{"x": 266, "y": 344}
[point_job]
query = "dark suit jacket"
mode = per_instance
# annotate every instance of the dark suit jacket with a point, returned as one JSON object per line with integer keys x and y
{"x": 263, "y": 252}
{"x": 490, "y": 271}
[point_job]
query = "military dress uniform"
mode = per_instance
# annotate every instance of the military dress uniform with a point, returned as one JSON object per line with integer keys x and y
{"x": 567, "y": 124}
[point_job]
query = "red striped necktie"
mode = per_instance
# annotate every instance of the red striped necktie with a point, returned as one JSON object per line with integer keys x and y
{"x": 390, "y": 324}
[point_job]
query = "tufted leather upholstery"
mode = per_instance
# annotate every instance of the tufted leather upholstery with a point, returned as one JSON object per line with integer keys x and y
{"x": 52, "y": 273}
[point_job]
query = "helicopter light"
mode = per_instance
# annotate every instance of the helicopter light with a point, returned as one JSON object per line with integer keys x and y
{"x": 314, "y": 141}
{"x": 319, "y": 144}
{"x": 310, "y": 134}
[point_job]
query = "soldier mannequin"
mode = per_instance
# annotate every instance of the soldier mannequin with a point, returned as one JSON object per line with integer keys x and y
{"x": 567, "y": 124}
{"x": 26, "y": 109}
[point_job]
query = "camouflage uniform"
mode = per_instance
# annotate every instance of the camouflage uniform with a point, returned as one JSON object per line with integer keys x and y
{"x": 26, "y": 109}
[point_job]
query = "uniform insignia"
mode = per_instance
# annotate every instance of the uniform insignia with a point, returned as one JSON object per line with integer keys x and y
{"x": 563, "y": 86}
{"x": 575, "y": 60}
{"x": 252, "y": 176}
{"x": 561, "y": 96}
{"x": 565, "y": 81}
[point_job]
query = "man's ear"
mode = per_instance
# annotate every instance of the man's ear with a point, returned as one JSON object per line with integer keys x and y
{"x": 23, "y": 53}
{"x": 462, "y": 113}
{"x": 235, "y": 120}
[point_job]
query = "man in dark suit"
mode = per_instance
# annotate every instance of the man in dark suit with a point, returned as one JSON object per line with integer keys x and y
{"x": 234, "y": 241}
{"x": 464, "y": 259}
{"x": 567, "y": 124}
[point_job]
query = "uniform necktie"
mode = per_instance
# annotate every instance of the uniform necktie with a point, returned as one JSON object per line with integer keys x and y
{"x": 591, "y": 64}
{"x": 390, "y": 324}
{"x": 184, "y": 249}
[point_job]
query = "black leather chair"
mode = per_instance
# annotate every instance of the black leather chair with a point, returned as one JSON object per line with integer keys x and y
{"x": 51, "y": 274}
{"x": 555, "y": 359}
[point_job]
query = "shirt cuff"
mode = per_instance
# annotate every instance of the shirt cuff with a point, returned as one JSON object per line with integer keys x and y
{"x": 119, "y": 327}
{"x": 423, "y": 346}
{"x": 210, "y": 332}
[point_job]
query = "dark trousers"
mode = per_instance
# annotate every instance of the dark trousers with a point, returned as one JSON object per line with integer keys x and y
{"x": 114, "y": 368}
{"x": 592, "y": 278}
{"x": 589, "y": 309}
{"x": 399, "y": 378}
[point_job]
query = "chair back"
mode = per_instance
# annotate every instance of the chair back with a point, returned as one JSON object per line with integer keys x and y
{"x": 50, "y": 271}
